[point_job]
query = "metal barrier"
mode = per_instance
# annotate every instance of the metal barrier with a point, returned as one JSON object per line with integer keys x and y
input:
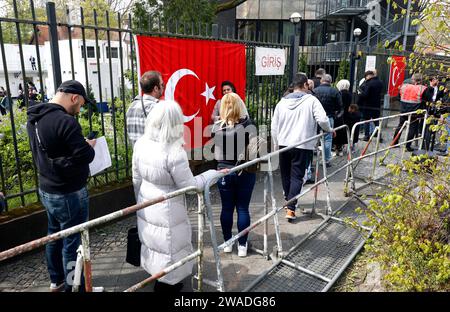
{"x": 378, "y": 133}
{"x": 204, "y": 207}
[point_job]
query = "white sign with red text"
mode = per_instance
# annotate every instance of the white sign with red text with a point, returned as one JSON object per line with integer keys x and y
{"x": 269, "y": 61}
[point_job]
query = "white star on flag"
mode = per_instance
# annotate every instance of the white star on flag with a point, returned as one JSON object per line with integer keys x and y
{"x": 208, "y": 94}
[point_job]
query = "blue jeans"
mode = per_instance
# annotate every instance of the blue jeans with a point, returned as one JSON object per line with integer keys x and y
{"x": 236, "y": 192}
{"x": 329, "y": 141}
{"x": 63, "y": 212}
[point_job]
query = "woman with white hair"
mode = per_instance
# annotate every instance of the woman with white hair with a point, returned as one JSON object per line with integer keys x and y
{"x": 160, "y": 166}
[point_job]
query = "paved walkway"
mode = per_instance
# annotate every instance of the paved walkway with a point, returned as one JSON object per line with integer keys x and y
{"x": 108, "y": 244}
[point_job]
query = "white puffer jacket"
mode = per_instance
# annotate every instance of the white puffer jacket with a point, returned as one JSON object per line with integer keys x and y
{"x": 164, "y": 228}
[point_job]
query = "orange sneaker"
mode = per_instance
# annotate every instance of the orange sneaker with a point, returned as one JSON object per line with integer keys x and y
{"x": 290, "y": 214}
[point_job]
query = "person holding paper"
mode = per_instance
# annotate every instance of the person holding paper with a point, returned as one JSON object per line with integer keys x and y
{"x": 160, "y": 166}
{"x": 62, "y": 156}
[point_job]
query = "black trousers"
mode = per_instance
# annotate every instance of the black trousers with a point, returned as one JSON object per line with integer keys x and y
{"x": 293, "y": 166}
{"x": 413, "y": 129}
{"x": 430, "y": 136}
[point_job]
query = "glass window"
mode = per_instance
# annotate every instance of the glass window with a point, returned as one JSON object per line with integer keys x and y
{"x": 310, "y": 11}
{"x": 114, "y": 52}
{"x": 270, "y": 9}
{"x": 313, "y": 33}
{"x": 90, "y": 52}
{"x": 246, "y": 30}
{"x": 336, "y": 31}
{"x": 291, "y": 6}
{"x": 270, "y": 30}
{"x": 248, "y": 10}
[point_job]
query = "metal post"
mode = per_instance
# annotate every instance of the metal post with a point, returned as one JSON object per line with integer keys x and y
{"x": 54, "y": 46}
{"x": 324, "y": 167}
{"x": 377, "y": 147}
{"x": 355, "y": 75}
{"x": 201, "y": 224}
{"x": 406, "y": 136}
{"x": 406, "y": 25}
{"x": 78, "y": 270}
{"x": 274, "y": 208}
{"x": 266, "y": 210}
{"x": 316, "y": 178}
{"x": 212, "y": 230}
{"x": 295, "y": 42}
{"x": 215, "y": 31}
{"x": 87, "y": 260}
{"x": 423, "y": 131}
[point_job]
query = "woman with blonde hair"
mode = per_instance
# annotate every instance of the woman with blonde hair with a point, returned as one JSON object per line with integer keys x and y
{"x": 160, "y": 166}
{"x": 232, "y": 134}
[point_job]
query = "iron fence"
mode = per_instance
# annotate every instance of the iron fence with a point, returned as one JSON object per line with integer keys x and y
{"x": 98, "y": 49}
{"x": 83, "y": 48}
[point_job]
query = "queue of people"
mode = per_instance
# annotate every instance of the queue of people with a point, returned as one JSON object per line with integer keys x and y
{"x": 160, "y": 164}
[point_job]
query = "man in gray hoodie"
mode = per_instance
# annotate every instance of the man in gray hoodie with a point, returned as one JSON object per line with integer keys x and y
{"x": 295, "y": 120}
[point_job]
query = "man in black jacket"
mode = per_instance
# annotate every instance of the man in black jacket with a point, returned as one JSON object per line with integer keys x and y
{"x": 370, "y": 101}
{"x": 318, "y": 76}
{"x": 332, "y": 104}
{"x": 62, "y": 156}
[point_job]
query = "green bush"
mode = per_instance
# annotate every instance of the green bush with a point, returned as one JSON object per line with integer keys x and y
{"x": 117, "y": 172}
{"x": 412, "y": 233}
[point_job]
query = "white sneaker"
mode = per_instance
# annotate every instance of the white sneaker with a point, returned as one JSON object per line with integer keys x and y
{"x": 228, "y": 249}
{"x": 242, "y": 250}
{"x": 56, "y": 288}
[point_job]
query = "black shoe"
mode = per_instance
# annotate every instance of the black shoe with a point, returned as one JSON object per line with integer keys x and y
{"x": 310, "y": 181}
{"x": 328, "y": 164}
{"x": 409, "y": 149}
{"x": 161, "y": 287}
{"x": 366, "y": 139}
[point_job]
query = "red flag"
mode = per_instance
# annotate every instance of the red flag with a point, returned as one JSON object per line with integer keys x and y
{"x": 396, "y": 74}
{"x": 193, "y": 71}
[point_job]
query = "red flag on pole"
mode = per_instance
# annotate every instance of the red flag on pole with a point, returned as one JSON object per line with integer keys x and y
{"x": 396, "y": 74}
{"x": 193, "y": 71}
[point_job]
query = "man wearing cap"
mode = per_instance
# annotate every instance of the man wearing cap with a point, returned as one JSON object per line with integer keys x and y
{"x": 62, "y": 156}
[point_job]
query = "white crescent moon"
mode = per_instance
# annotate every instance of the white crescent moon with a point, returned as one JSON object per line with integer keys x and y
{"x": 172, "y": 84}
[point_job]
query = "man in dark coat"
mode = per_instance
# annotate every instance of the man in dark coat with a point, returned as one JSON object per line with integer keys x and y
{"x": 331, "y": 100}
{"x": 370, "y": 100}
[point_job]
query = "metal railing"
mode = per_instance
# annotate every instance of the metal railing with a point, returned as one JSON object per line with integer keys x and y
{"x": 205, "y": 208}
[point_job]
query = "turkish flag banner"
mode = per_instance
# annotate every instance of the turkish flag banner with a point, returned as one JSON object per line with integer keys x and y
{"x": 396, "y": 74}
{"x": 193, "y": 71}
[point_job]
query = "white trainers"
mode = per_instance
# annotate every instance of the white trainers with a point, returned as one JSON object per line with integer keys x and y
{"x": 242, "y": 250}
{"x": 228, "y": 249}
{"x": 56, "y": 288}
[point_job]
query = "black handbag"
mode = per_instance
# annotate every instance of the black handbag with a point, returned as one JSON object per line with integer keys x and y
{"x": 133, "y": 247}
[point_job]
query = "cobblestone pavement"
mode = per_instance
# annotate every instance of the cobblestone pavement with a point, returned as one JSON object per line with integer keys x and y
{"x": 108, "y": 244}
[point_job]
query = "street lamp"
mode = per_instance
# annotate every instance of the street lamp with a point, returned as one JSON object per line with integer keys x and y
{"x": 354, "y": 68}
{"x": 295, "y": 19}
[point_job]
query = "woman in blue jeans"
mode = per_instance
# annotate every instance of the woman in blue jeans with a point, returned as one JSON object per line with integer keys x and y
{"x": 232, "y": 135}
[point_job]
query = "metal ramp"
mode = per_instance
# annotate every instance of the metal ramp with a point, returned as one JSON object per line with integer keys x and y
{"x": 316, "y": 262}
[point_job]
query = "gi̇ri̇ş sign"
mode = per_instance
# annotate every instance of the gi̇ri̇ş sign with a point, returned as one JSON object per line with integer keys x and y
{"x": 269, "y": 61}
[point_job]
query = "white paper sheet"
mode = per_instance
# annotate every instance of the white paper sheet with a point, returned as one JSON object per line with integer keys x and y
{"x": 102, "y": 159}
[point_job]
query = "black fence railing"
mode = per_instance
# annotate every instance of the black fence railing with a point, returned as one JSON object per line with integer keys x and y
{"x": 98, "y": 50}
